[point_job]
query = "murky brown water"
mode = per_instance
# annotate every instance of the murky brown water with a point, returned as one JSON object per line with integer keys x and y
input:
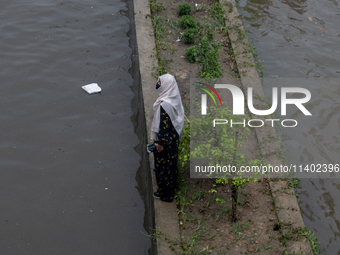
{"x": 292, "y": 46}
{"x": 71, "y": 181}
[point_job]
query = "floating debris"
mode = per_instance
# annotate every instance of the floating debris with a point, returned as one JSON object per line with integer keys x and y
{"x": 310, "y": 19}
{"x": 92, "y": 88}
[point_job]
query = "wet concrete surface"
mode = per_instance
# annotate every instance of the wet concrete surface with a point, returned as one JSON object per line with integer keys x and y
{"x": 300, "y": 39}
{"x": 72, "y": 178}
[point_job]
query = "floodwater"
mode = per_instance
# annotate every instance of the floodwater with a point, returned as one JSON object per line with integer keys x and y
{"x": 72, "y": 178}
{"x": 300, "y": 39}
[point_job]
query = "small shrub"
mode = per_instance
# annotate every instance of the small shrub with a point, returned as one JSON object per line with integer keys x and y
{"x": 206, "y": 55}
{"x": 184, "y": 9}
{"x": 156, "y": 6}
{"x": 161, "y": 67}
{"x": 189, "y": 35}
{"x": 159, "y": 26}
{"x": 218, "y": 13}
{"x": 191, "y": 53}
{"x": 187, "y": 22}
{"x": 210, "y": 34}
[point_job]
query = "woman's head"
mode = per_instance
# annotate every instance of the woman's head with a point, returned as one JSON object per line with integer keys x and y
{"x": 166, "y": 82}
{"x": 170, "y": 98}
{"x": 158, "y": 84}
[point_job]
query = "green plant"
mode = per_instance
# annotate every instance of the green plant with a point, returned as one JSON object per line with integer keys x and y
{"x": 218, "y": 13}
{"x": 206, "y": 53}
{"x": 210, "y": 34}
{"x": 173, "y": 50}
{"x": 161, "y": 67}
{"x": 191, "y": 53}
{"x": 184, "y": 146}
{"x": 156, "y": 6}
{"x": 297, "y": 234}
{"x": 200, "y": 194}
{"x": 207, "y": 58}
{"x": 189, "y": 35}
{"x": 220, "y": 213}
{"x": 184, "y": 9}
{"x": 220, "y": 146}
{"x": 293, "y": 182}
{"x": 269, "y": 248}
{"x": 220, "y": 200}
{"x": 205, "y": 250}
{"x": 159, "y": 27}
{"x": 230, "y": 5}
{"x": 209, "y": 201}
{"x": 171, "y": 23}
{"x": 240, "y": 200}
{"x": 240, "y": 227}
{"x": 187, "y": 22}
{"x": 313, "y": 240}
{"x": 183, "y": 158}
{"x": 258, "y": 62}
{"x": 189, "y": 217}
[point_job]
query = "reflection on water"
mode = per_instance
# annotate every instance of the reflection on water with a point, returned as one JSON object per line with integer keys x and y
{"x": 299, "y": 39}
{"x": 298, "y": 5}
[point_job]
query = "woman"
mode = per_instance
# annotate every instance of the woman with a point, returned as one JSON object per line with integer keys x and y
{"x": 166, "y": 128}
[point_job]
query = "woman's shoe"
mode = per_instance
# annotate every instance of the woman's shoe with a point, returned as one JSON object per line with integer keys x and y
{"x": 156, "y": 195}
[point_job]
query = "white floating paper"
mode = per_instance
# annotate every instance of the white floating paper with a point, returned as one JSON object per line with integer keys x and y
{"x": 92, "y": 88}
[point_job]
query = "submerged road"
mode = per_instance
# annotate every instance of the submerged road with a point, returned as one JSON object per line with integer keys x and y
{"x": 72, "y": 181}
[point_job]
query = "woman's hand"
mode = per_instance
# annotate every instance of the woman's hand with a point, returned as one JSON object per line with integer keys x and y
{"x": 159, "y": 148}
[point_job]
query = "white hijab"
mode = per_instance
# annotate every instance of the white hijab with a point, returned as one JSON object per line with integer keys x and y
{"x": 170, "y": 99}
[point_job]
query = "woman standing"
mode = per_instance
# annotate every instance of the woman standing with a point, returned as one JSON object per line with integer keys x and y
{"x": 167, "y": 125}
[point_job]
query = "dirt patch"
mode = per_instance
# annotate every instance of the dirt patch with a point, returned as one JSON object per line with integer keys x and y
{"x": 172, "y": 52}
{"x": 205, "y": 225}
